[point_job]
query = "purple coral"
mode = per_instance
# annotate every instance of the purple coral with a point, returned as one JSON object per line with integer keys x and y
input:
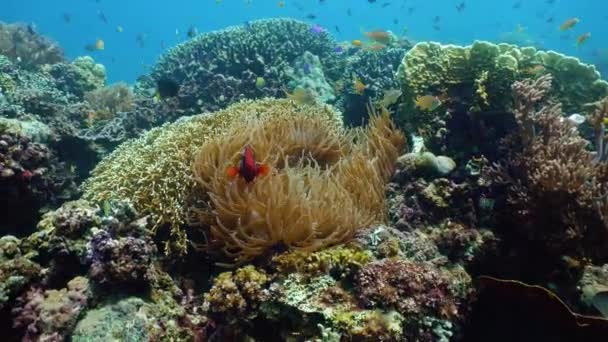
{"x": 410, "y": 288}
{"x": 52, "y": 314}
{"x": 31, "y": 177}
{"x": 122, "y": 261}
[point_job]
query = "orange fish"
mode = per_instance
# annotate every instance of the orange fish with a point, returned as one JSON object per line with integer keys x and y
{"x": 248, "y": 168}
{"x": 380, "y": 36}
{"x": 358, "y": 86}
{"x": 568, "y": 24}
{"x": 582, "y": 38}
{"x": 100, "y": 45}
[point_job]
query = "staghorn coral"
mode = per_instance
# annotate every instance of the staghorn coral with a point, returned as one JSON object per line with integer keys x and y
{"x": 23, "y": 45}
{"x": 51, "y": 315}
{"x": 553, "y": 189}
{"x": 161, "y": 161}
{"x": 216, "y": 69}
{"x": 323, "y": 187}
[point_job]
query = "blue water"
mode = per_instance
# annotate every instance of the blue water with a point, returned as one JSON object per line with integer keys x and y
{"x": 163, "y": 24}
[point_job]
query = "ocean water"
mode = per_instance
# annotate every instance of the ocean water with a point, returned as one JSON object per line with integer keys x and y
{"x": 162, "y": 24}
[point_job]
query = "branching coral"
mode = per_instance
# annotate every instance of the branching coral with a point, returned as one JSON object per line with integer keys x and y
{"x": 323, "y": 186}
{"x": 554, "y": 189}
{"x": 154, "y": 171}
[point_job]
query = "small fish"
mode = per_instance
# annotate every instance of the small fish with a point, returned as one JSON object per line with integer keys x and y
{"x": 311, "y": 16}
{"x": 437, "y": 19}
{"x": 192, "y": 31}
{"x": 385, "y": 4}
{"x": 260, "y": 82}
{"x": 358, "y": 86}
{"x": 100, "y": 44}
{"x": 411, "y": 10}
{"x": 338, "y": 50}
{"x": 582, "y": 39}
{"x": 568, "y": 24}
{"x": 67, "y": 17}
{"x": 460, "y": 7}
{"x": 301, "y": 96}
{"x": 519, "y": 28}
{"x": 535, "y": 69}
{"x": 248, "y": 168}
{"x": 427, "y": 102}
{"x": 349, "y": 12}
{"x": 316, "y": 29}
{"x": 380, "y": 36}
{"x": 307, "y": 68}
{"x": 140, "y": 39}
{"x": 517, "y": 5}
{"x": 357, "y": 43}
{"x": 395, "y": 21}
{"x": 549, "y": 20}
{"x": 281, "y": 4}
{"x": 337, "y": 28}
{"x": 371, "y": 1}
{"x": 390, "y": 97}
{"x": 102, "y": 16}
{"x": 576, "y": 118}
{"x": 119, "y": 29}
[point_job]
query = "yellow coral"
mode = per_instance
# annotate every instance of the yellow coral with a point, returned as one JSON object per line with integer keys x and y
{"x": 154, "y": 171}
{"x": 341, "y": 260}
{"x": 324, "y": 185}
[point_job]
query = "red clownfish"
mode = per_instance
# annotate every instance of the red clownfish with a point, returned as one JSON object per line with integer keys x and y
{"x": 248, "y": 168}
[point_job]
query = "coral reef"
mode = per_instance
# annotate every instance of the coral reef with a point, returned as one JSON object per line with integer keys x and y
{"x": 17, "y": 271}
{"x": 216, "y": 69}
{"x": 23, "y": 45}
{"x": 307, "y": 73}
{"x": 314, "y": 170}
{"x": 51, "y": 315}
{"x": 78, "y": 77}
{"x": 106, "y": 102}
{"x": 31, "y": 177}
{"x": 161, "y": 162}
{"x": 552, "y": 187}
{"x": 478, "y": 78}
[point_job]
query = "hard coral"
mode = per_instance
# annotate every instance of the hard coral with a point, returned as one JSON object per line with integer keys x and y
{"x": 216, "y": 69}
{"x": 411, "y": 288}
{"x": 52, "y": 314}
{"x": 323, "y": 187}
{"x": 22, "y": 44}
{"x": 237, "y": 295}
{"x": 554, "y": 190}
{"x": 161, "y": 161}
{"x": 106, "y": 102}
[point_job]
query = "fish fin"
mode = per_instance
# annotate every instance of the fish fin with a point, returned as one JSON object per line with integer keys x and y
{"x": 263, "y": 169}
{"x": 232, "y": 171}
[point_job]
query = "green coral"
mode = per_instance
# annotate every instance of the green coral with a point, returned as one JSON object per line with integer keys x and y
{"x": 480, "y": 75}
{"x": 341, "y": 261}
{"x": 94, "y": 73}
{"x": 16, "y": 270}
{"x": 237, "y": 295}
{"x": 154, "y": 171}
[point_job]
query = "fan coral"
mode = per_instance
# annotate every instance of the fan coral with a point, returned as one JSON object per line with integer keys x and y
{"x": 323, "y": 186}
{"x": 22, "y": 44}
{"x": 154, "y": 171}
{"x": 554, "y": 190}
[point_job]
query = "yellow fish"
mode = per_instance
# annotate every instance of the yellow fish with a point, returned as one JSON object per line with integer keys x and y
{"x": 100, "y": 45}
{"x": 390, "y": 97}
{"x": 428, "y": 102}
{"x": 568, "y": 24}
{"x": 119, "y": 29}
{"x": 380, "y": 36}
{"x": 301, "y": 96}
{"x": 358, "y": 86}
{"x": 357, "y": 43}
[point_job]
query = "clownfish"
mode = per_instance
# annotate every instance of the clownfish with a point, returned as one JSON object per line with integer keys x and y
{"x": 248, "y": 168}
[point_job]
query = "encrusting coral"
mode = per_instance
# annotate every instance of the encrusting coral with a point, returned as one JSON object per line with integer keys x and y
{"x": 322, "y": 187}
